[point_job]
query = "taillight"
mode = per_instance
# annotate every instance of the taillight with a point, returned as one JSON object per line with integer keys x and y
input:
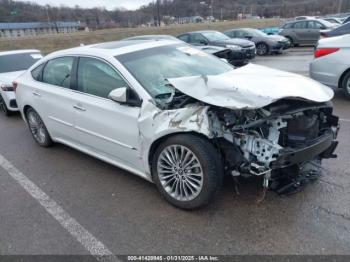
{"x": 14, "y": 85}
{"x": 320, "y": 52}
{"x": 323, "y": 35}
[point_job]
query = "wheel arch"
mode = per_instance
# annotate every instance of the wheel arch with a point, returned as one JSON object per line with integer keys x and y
{"x": 155, "y": 144}
{"x": 341, "y": 79}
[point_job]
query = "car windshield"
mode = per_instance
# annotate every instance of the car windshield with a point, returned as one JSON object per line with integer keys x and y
{"x": 215, "y": 36}
{"x": 326, "y": 23}
{"x": 18, "y": 62}
{"x": 152, "y": 67}
{"x": 256, "y": 33}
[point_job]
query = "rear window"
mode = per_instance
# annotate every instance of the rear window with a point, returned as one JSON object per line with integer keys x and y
{"x": 18, "y": 62}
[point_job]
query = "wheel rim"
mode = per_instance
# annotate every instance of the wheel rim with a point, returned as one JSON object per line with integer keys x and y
{"x": 262, "y": 49}
{"x": 36, "y": 127}
{"x": 348, "y": 86}
{"x": 180, "y": 172}
{"x": 2, "y": 104}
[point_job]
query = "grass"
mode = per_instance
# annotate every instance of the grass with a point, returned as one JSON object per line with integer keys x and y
{"x": 48, "y": 44}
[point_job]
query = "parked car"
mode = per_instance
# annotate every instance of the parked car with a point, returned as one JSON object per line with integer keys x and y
{"x": 241, "y": 50}
{"x": 346, "y": 20}
{"x": 341, "y": 30}
{"x": 218, "y": 51}
{"x": 265, "y": 44}
{"x": 333, "y": 20}
{"x": 306, "y": 32}
{"x": 270, "y": 30}
{"x": 331, "y": 65}
{"x": 12, "y": 64}
{"x": 180, "y": 118}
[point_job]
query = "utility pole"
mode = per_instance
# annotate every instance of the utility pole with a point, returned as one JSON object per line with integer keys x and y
{"x": 340, "y": 6}
{"x": 158, "y": 12}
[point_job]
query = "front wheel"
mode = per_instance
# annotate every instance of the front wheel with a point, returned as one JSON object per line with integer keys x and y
{"x": 187, "y": 170}
{"x": 345, "y": 84}
{"x": 262, "y": 49}
{"x": 38, "y": 128}
{"x": 4, "y": 107}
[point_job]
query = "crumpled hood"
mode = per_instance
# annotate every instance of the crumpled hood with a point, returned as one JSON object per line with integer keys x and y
{"x": 251, "y": 87}
{"x": 7, "y": 78}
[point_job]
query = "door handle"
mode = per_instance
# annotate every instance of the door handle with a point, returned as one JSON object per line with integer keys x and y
{"x": 37, "y": 94}
{"x": 78, "y": 107}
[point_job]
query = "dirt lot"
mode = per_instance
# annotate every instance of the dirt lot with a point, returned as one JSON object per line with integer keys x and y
{"x": 52, "y": 43}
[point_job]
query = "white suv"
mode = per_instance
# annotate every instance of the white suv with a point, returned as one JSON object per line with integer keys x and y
{"x": 179, "y": 117}
{"x": 12, "y": 64}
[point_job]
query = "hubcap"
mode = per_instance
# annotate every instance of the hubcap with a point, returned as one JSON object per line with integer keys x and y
{"x": 36, "y": 127}
{"x": 2, "y": 104}
{"x": 348, "y": 86}
{"x": 261, "y": 49}
{"x": 180, "y": 172}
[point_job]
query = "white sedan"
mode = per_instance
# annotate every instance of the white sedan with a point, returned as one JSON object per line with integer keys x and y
{"x": 331, "y": 65}
{"x": 179, "y": 117}
{"x": 12, "y": 64}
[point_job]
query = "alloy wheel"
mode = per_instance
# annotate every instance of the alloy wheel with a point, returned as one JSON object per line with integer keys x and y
{"x": 37, "y": 127}
{"x": 261, "y": 49}
{"x": 180, "y": 172}
{"x": 348, "y": 86}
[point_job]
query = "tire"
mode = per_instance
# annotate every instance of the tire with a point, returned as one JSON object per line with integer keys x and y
{"x": 187, "y": 184}
{"x": 291, "y": 41}
{"x": 262, "y": 49}
{"x": 345, "y": 84}
{"x": 4, "y": 107}
{"x": 38, "y": 128}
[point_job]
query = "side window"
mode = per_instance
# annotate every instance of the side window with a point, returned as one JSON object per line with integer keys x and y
{"x": 300, "y": 25}
{"x": 98, "y": 78}
{"x": 314, "y": 25}
{"x": 58, "y": 71}
{"x": 185, "y": 38}
{"x": 241, "y": 34}
{"x": 198, "y": 39}
{"x": 37, "y": 73}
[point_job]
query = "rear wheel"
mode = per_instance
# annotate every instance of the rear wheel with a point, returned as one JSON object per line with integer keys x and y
{"x": 262, "y": 49}
{"x": 4, "y": 107}
{"x": 38, "y": 128}
{"x": 187, "y": 171}
{"x": 345, "y": 84}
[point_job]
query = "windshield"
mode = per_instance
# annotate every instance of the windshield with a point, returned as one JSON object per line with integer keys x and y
{"x": 18, "y": 62}
{"x": 256, "y": 33}
{"x": 327, "y": 24}
{"x": 151, "y": 67}
{"x": 215, "y": 36}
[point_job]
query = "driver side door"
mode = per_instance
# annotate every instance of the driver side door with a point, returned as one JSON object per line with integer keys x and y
{"x": 105, "y": 127}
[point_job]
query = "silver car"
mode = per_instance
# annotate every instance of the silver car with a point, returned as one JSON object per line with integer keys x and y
{"x": 305, "y": 32}
{"x": 331, "y": 65}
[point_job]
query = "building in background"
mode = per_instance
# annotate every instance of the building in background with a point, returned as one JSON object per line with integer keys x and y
{"x": 37, "y": 28}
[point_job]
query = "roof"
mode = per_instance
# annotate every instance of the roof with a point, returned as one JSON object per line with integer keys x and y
{"x": 13, "y": 52}
{"x": 34, "y": 25}
{"x": 112, "y": 48}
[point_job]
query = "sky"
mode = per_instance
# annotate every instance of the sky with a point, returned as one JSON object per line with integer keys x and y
{"x": 108, "y": 4}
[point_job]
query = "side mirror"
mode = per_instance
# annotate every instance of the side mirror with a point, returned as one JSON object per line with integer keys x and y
{"x": 119, "y": 95}
{"x": 126, "y": 96}
{"x": 323, "y": 28}
{"x": 249, "y": 37}
{"x": 203, "y": 42}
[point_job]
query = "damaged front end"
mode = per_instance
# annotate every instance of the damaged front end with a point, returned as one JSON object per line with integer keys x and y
{"x": 284, "y": 141}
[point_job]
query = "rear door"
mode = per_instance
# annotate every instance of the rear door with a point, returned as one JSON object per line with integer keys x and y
{"x": 53, "y": 96}
{"x": 104, "y": 126}
{"x": 314, "y": 28}
{"x": 301, "y": 33}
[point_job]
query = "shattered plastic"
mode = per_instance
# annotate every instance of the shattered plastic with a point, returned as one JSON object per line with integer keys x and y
{"x": 251, "y": 87}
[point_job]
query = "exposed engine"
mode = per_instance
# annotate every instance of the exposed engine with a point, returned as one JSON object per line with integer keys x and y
{"x": 284, "y": 142}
